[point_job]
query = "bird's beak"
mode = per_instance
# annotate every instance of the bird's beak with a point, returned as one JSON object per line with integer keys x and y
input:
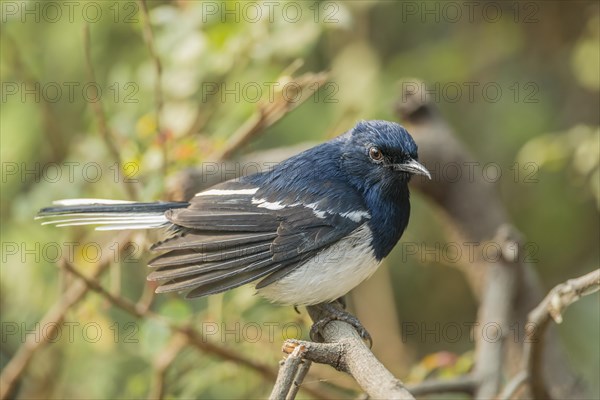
{"x": 413, "y": 167}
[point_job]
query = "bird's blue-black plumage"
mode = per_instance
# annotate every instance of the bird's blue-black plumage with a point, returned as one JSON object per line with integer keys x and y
{"x": 337, "y": 177}
{"x": 262, "y": 227}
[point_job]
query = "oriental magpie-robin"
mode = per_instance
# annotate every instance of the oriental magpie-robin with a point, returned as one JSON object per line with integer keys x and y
{"x": 305, "y": 232}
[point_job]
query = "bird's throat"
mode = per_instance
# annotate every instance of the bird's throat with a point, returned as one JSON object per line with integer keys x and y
{"x": 390, "y": 211}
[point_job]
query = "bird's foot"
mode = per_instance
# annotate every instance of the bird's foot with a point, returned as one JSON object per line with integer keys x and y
{"x": 330, "y": 313}
{"x": 341, "y": 301}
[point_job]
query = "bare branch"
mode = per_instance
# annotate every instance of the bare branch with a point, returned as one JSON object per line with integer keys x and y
{"x": 498, "y": 298}
{"x": 193, "y": 337}
{"x": 508, "y": 289}
{"x": 513, "y": 386}
{"x": 550, "y": 308}
{"x": 345, "y": 350}
{"x": 300, "y": 375}
{"x": 288, "y": 371}
{"x": 162, "y": 362}
{"x": 562, "y": 296}
{"x": 93, "y": 285}
{"x": 322, "y": 353}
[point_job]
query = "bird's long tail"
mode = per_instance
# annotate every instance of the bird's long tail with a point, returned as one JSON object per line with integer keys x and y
{"x": 108, "y": 214}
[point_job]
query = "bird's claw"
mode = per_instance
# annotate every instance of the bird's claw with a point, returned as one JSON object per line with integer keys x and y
{"x": 335, "y": 314}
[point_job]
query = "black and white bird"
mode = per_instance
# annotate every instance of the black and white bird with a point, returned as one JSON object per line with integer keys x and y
{"x": 305, "y": 232}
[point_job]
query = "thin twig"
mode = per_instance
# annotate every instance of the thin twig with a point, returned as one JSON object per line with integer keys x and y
{"x": 158, "y": 93}
{"x": 300, "y": 375}
{"x": 147, "y": 298}
{"x": 98, "y": 109}
{"x": 562, "y": 296}
{"x": 513, "y": 386}
{"x": 93, "y": 285}
{"x": 205, "y": 110}
{"x": 130, "y": 307}
{"x": 287, "y": 373}
{"x": 162, "y": 362}
{"x": 195, "y": 338}
{"x": 550, "y": 308}
{"x": 271, "y": 112}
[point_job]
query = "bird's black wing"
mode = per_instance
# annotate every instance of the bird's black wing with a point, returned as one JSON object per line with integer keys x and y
{"x": 231, "y": 236}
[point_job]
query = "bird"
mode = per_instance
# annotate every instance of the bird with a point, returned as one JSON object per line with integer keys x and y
{"x": 304, "y": 233}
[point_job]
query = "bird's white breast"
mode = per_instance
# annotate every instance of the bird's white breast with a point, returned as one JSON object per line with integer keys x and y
{"x": 329, "y": 275}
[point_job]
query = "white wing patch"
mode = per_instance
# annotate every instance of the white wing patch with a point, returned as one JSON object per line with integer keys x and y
{"x": 318, "y": 213}
{"x": 355, "y": 216}
{"x": 262, "y": 203}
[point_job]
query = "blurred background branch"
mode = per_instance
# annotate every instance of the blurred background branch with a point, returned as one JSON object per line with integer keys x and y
{"x": 507, "y": 289}
{"x": 55, "y": 316}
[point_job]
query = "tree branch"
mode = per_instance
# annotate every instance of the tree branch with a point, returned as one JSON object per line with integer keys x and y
{"x": 300, "y": 375}
{"x": 345, "y": 351}
{"x": 288, "y": 371}
{"x": 550, "y": 308}
{"x": 162, "y": 362}
{"x": 498, "y": 298}
{"x": 193, "y": 337}
{"x": 474, "y": 213}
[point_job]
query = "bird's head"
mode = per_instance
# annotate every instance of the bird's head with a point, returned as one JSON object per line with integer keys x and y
{"x": 380, "y": 153}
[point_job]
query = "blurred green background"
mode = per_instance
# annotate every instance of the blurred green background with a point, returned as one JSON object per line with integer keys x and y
{"x": 543, "y": 56}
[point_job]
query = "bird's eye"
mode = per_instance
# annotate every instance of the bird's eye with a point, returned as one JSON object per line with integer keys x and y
{"x": 375, "y": 154}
